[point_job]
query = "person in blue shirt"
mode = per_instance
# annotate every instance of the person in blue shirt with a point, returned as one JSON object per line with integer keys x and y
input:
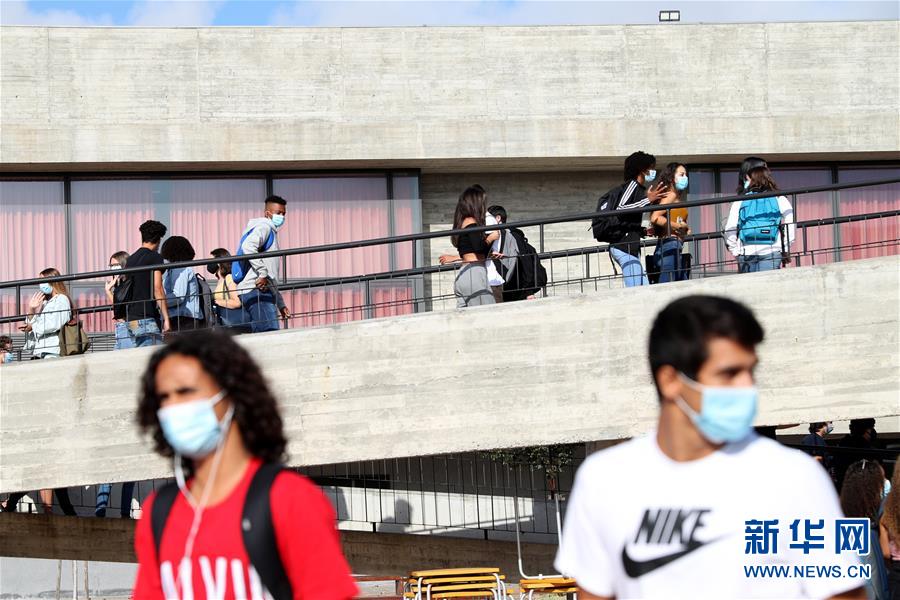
{"x": 181, "y": 286}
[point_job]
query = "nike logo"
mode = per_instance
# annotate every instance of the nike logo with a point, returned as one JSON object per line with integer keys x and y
{"x": 639, "y": 568}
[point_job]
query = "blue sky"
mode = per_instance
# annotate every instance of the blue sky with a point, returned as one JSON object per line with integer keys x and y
{"x": 338, "y": 13}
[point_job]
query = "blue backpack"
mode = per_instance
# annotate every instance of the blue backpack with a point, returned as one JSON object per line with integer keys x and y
{"x": 240, "y": 268}
{"x": 758, "y": 221}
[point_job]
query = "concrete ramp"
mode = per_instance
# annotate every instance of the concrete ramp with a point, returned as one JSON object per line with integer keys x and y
{"x": 555, "y": 370}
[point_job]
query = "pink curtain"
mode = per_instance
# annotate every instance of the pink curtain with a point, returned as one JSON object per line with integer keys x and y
{"x": 866, "y": 239}
{"x": 105, "y": 216}
{"x": 703, "y": 220}
{"x": 333, "y": 210}
{"x": 32, "y": 219}
{"x": 819, "y": 240}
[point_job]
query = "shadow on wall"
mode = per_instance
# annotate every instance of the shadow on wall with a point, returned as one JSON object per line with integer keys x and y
{"x": 399, "y": 521}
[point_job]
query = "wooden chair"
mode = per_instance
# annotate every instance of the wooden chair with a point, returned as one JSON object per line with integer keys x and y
{"x": 474, "y": 582}
{"x": 552, "y": 585}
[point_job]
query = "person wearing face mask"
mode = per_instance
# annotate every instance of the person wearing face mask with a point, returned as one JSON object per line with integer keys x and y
{"x": 6, "y": 350}
{"x": 665, "y": 514}
{"x": 271, "y": 530}
{"x": 257, "y": 285}
{"x": 48, "y": 310}
{"x": 123, "y": 339}
{"x": 756, "y": 228}
{"x": 670, "y": 226}
{"x": 624, "y": 232}
{"x": 229, "y": 310}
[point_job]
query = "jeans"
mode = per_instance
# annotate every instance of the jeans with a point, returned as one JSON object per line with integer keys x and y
{"x": 632, "y": 270}
{"x": 260, "y": 307}
{"x": 669, "y": 260}
{"x": 123, "y": 338}
{"x": 103, "y": 491}
{"x": 755, "y": 264}
{"x": 144, "y": 332}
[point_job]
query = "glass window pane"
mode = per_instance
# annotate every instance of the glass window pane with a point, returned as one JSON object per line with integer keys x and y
{"x": 703, "y": 219}
{"x": 815, "y": 245}
{"x": 328, "y": 210}
{"x": 32, "y": 219}
{"x": 877, "y": 236}
{"x": 106, "y": 215}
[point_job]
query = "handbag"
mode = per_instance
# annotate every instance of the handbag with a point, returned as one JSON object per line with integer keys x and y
{"x": 73, "y": 339}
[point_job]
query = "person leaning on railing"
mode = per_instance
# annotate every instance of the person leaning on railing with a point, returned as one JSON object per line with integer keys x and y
{"x": 123, "y": 339}
{"x": 228, "y": 307}
{"x": 48, "y": 311}
{"x": 472, "y": 286}
{"x": 671, "y": 226}
{"x": 181, "y": 286}
{"x": 754, "y": 230}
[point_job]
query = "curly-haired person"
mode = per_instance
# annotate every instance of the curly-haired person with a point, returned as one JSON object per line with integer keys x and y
{"x": 235, "y": 524}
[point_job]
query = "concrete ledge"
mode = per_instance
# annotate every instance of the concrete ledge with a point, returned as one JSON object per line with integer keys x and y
{"x": 112, "y": 540}
{"x": 565, "y": 370}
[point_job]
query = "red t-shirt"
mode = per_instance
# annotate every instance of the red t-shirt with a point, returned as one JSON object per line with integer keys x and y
{"x": 308, "y": 543}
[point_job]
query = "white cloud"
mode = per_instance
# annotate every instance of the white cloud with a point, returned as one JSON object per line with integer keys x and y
{"x": 173, "y": 13}
{"x": 372, "y": 13}
{"x": 17, "y": 12}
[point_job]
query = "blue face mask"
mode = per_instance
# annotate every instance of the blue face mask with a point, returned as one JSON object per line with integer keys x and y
{"x": 726, "y": 413}
{"x": 46, "y": 288}
{"x": 681, "y": 183}
{"x": 887, "y": 487}
{"x": 277, "y": 220}
{"x": 191, "y": 428}
{"x": 746, "y": 184}
{"x": 7, "y": 357}
{"x": 650, "y": 176}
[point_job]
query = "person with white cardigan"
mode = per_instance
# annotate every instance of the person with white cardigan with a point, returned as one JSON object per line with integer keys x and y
{"x": 48, "y": 311}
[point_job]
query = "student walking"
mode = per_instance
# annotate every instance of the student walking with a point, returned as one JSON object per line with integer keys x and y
{"x": 123, "y": 339}
{"x": 236, "y": 524}
{"x": 229, "y": 310}
{"x": 472, "y": 286}
{"x": 257, "y": 279}
{"x": 48, "y": 311}
{"x": 666, "y": 515}
{"x": 756, "y": 228}
{"x": 144, "y": 295}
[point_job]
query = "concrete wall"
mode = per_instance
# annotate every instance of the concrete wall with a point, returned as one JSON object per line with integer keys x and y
{"x": 572, "y": 369}
{"x": 439, "y": 97}
{"x": 112, "y": 540}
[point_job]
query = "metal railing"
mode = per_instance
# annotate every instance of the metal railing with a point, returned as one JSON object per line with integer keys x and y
{"x": 413, "y": 298}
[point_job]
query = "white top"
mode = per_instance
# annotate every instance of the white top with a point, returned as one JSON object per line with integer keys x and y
{"x": 733, "y": 242}
{"x": 45, "y": 326}
{"x": 640, "y": 525}
{"x": 494, "y": 277}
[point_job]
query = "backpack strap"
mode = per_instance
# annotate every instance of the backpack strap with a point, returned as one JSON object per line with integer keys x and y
{"x": 159, "y": 514}
{"x": 258, "y": 533}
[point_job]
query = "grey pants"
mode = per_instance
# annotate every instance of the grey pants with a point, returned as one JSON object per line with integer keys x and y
{"x": 472, "y": 287}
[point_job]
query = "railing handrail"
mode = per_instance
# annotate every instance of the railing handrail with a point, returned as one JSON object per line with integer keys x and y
{"x": 317, "y": 282}
{"x": 414, "y": 237}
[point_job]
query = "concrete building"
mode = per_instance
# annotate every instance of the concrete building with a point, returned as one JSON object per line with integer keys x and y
{"x": 374, "y": 132}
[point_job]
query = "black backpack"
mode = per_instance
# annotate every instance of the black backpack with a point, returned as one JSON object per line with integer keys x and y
{"x": 529, "y": 275}
{"x": 206, "y": 302}
{"x": 257, "y": 529}
{"x": 610, "y": 228}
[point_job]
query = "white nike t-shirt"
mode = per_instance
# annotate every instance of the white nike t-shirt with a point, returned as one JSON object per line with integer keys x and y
{"x": 640, "y": 525}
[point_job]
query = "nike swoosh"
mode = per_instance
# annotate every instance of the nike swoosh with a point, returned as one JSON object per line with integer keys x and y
{"x": 639, "y": 568}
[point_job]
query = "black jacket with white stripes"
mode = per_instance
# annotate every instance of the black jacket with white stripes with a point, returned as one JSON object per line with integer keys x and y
{"x": 630, "y": 194}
